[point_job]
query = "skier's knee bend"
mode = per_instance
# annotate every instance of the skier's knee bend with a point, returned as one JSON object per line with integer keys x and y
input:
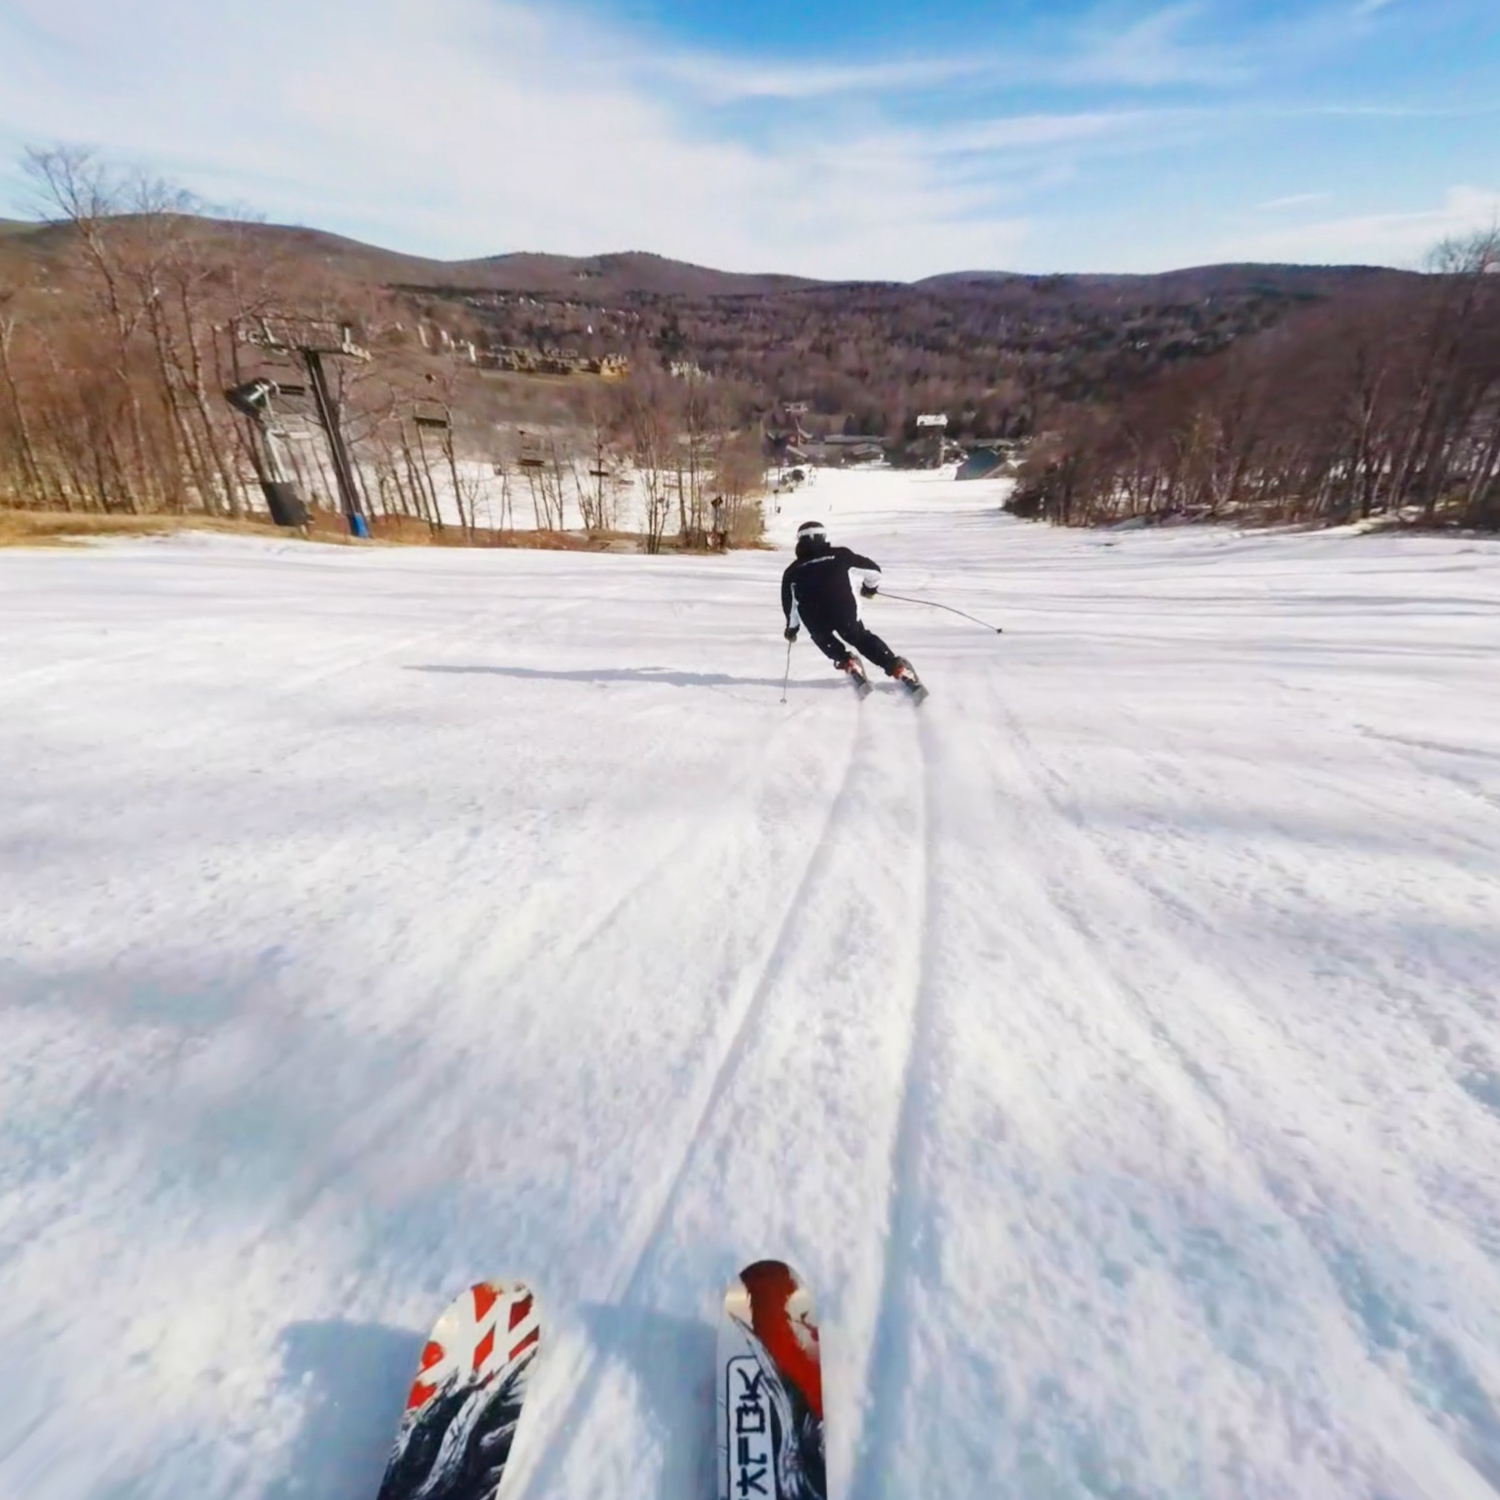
{"x": 829, "y": 644}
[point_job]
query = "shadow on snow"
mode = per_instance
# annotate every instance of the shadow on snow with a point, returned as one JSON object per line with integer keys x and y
{"x": 662, "y": 676}
{"x": 354, "y": 1378}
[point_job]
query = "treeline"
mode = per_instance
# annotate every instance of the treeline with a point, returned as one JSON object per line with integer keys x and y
{"x": 1385, "y": 403}
{"x": 125, "y": 322}
{"x": 113, "y": 358}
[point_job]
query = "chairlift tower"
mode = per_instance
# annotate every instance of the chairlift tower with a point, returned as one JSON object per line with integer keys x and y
{"x": 311, "y": 340}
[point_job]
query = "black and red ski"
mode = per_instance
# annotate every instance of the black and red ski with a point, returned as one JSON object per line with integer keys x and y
{"x": 770, "y": 1389}
{"x": 460, "y": 1420}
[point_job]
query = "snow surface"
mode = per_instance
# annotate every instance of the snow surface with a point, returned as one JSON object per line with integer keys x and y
{"x": 1112, "y": 1042}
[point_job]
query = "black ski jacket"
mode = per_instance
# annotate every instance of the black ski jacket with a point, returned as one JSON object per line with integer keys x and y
{"x": 816, "y": 587}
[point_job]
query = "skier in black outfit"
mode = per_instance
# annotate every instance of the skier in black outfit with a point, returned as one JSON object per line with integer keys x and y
{"x": 815, "y": 592}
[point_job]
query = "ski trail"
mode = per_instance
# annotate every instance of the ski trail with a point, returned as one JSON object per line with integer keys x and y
{"x": 743, "y": 1018}
{"x": 1316, "y": 1347}
{"x": 1020, "y": 1239}
{"x": 583, "y": 1373}
{"x": 887, "y": 1368}
{"x": 364, "y": 1138}
{"x": 1450, "y": 999}
{"x": 54, "y": 674}
{"x": 751, "y": 771}
{"x": 1391, "y": 1302}
{"x": 818, "y": 1050}
{"x": 805, "y": 1131}
{"x": 1418, "y": 755}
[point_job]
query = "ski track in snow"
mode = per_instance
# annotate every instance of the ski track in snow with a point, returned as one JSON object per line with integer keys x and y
{"x": 1113, "y": 1042}
{"x": 715, "y": 1076}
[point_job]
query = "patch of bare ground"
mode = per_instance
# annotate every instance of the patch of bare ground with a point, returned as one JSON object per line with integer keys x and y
{"x": 44, "y": 528}
{"x": 47, "y": 528}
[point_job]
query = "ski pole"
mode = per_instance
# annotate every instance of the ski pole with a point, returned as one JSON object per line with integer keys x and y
{"x": 933, "y": 604}
{"x": 788, "y": 677}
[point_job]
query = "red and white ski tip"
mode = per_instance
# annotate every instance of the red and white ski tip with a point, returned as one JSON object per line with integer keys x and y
{"x": 492, "y": 1325}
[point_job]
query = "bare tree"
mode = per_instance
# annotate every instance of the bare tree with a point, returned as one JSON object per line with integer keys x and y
{"x": 651, "y": 438}
{"x": 1388, "y": 403}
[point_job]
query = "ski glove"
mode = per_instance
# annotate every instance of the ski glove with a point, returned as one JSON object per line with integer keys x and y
{"x": 790, "y": 633}
{"x": 868, "y": 590}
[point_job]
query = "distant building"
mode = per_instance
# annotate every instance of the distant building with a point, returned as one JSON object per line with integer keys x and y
{"x": 828, "y": 452}
{"x": 553, "y": 362}
{"x": 611, "y": 366}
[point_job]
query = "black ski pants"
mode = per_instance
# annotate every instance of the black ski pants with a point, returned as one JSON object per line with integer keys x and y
{"x": 826, "y": 637}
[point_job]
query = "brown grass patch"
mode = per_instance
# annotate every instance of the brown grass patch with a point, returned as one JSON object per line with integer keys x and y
{"x": 408, "y": 532}
{"x": 51, "y": 528}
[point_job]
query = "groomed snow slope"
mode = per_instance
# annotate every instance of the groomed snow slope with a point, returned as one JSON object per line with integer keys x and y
{"x": 1114, "y": 1042}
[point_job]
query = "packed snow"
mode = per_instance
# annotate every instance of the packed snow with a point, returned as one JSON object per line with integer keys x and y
{"x": 1113, "y": 1042}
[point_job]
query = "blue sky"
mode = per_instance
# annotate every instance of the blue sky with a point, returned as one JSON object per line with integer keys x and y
{"x": 825, "y": 137}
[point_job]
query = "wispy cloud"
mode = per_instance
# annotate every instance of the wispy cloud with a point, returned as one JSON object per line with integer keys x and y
{"x": 1399, "y": 239}
{"x": 1294, "y": 200}
{"x": 1401, "y": 111}
{"x": 1026, "y": 140}
{"x": 727, "y": 80}
{"x": 1155, "y": 51}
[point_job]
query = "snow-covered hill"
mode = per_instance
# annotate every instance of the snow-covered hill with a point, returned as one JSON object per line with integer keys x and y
{"x": 1114, "y": 1042}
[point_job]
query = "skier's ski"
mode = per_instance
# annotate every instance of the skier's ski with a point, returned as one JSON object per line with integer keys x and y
{"x": 906, "y": 675}
{"x": 461, "y": 1415}
{"x": 855, "y": 670}
{"x": 770, "y": 1389}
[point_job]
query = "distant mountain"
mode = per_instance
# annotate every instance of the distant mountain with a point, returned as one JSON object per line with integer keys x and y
{"x": 995, "y": 348}
{"x": 592, "y": 276}
{"x": 1189, "y": 284}
{"x": 632, "y": 272}
{"x": 638, "y": 272}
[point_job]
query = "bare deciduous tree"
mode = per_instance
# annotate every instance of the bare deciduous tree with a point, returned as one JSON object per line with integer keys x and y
{"x": 1384, "y": 403}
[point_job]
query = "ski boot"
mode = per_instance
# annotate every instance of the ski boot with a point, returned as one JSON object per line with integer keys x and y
{"x": 906, "y": 675}
{"x": 854, "y": 669}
